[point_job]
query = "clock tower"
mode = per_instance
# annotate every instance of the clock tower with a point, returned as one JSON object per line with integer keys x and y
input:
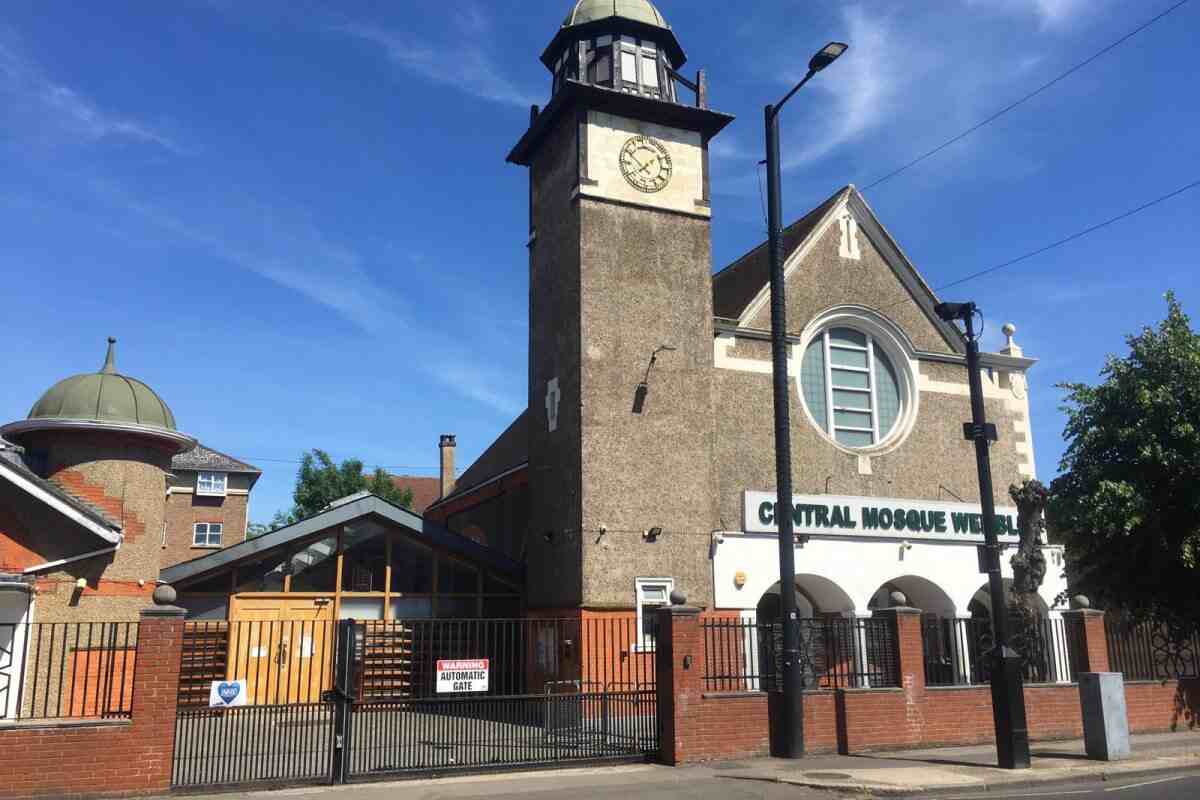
{"x": 620, "y": 420}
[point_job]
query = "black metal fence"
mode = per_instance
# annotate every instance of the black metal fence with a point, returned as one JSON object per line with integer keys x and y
{"x": 1152, "y": 650}
{"x": 835, "y": 653}
{"x": 956, "y": 650}
{"x": 292, "y": 661}
{"x": 67, "y": 670}
{"x": 435, "y": 734}
{"x": 279, "y": 743}
{"x": 557, "y": 690}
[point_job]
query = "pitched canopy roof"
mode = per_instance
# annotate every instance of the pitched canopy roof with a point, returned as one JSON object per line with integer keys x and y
{"x": 105, "y": 400}
{"x": 344, "y": 512}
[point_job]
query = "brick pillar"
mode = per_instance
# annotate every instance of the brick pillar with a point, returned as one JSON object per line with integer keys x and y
{"x": 910, "y": 651}
{"x": 156, "y": 693}
{"x": 679, "y": 673}
{"x": 1089, "y": 641}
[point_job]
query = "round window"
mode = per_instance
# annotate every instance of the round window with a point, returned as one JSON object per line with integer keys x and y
{"x": 850, "y": 387}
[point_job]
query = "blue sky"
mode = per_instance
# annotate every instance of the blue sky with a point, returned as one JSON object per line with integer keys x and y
{"x": 297, "y": 217}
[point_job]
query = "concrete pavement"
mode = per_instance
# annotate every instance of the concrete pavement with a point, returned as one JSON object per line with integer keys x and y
{"x": 1162, "y": 766}
{"x": 950, "y": 769}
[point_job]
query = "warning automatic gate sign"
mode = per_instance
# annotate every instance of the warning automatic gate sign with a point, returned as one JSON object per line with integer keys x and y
{"x": 463, "y": 675}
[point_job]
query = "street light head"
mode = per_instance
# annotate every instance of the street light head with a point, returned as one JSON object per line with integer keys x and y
{"x": 954, "y": 311}
{"x": 826, "y": 56}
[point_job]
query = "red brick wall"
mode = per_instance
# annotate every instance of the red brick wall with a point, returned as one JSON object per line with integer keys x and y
{"x": 185, "y": 509}
{"x": 109, "y": 759}
{"x": 715, "y": 725}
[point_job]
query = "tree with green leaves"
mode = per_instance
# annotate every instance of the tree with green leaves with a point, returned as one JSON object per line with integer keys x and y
{"x": 1127, "y": 504}
{"x": 320, "y": 481}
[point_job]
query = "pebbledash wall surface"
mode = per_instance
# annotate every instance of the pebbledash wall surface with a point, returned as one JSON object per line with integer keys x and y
{"x": 649, "y": 397}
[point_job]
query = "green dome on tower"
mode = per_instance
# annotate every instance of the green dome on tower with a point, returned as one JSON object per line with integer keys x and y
{"x": 591, "y": 10}
{"x": 104, "y": 400}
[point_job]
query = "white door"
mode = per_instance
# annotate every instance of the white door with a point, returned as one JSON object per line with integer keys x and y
{"x": 15, "y": 612}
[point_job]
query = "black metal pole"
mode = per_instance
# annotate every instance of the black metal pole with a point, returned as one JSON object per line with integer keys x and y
{"x": 790, "y": 706}
{"x": 1008, "y": 691}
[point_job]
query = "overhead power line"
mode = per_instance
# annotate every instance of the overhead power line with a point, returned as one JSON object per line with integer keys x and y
{"x": 251, "y": 459}
{"x": 1029, "y": 96}
{"x": 1071, "y": 238}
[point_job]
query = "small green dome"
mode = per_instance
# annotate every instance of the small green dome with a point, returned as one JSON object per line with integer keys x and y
{"x": 102, "y": 400}
{"x": 592, "y": 10}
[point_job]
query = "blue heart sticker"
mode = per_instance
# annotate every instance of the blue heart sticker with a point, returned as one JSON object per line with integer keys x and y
{"x": 228, "y": 692}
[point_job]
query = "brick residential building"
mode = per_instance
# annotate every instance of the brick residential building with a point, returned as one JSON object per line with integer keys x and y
{"x": 208, "y": 502}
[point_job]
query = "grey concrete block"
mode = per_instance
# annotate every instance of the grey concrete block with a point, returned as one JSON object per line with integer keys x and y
{"x": 1105, "y": 720}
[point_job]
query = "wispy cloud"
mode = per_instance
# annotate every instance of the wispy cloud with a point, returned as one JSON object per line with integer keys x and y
{"x": 294, "y": 254}
{"x": 465, "y": 64}
{"x": 34, "y": 102}
{"x": 861, "y": 91}
{"x": 1049, "y": 13}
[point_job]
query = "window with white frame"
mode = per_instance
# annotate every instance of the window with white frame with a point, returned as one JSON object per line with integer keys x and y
{"x": 651, "y": 594}
{"x": 207, "y": 534}
{"x": 850, "y": 387}
{"x": 211, "y": 483}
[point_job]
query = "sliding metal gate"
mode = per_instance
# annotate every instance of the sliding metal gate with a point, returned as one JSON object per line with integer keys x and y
{"x": 378, "y": 712}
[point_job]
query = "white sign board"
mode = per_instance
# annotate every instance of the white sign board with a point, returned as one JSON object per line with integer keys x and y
{"x": 462, "y": 675}
{"x": 878, "y": 517}
{"x": 227, "y": 693}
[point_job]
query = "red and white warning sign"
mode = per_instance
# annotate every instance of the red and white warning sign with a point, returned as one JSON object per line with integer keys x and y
{"x": 463, "y": 675}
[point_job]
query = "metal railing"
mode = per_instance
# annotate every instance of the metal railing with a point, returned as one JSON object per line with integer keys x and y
{"x": 835, "y": 653}
{"x": 470, "y": 732}
{"x": 67, "y": 670}
{"x": 247, "y": 744}
{"x": 956, "y": 650}
{"x": 1152, "y": 650}
{"x": 292, "y": 661}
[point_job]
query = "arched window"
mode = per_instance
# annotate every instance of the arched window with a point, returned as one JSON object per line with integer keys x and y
{"x": 850, "y": 387}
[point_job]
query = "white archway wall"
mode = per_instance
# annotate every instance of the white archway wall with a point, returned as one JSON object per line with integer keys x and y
{"x": 920, "y": 592}
{"x": 858, "y": 567}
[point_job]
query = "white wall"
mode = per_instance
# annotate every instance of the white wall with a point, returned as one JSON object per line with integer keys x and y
{"x": 861, "y": 566}
{"x": 16, "y": 611}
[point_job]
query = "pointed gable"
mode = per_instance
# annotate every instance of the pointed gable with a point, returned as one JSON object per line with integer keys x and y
{"x": 736, "y": 286}
{"x": 837, "y": 254}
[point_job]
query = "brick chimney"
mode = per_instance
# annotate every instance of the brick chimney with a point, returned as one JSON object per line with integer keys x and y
{"x": 446, "y": 446}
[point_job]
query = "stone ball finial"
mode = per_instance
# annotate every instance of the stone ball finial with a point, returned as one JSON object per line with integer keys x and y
{"x": 899, "y": 599}
{"x": 164, "y": 595}
{"x": 1080, "y": 601}
{"x": 678, "y": 598}
{"x": 1009, "y": 329}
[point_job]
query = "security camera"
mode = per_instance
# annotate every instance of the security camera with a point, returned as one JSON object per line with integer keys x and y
{"x": 952, "y": 311}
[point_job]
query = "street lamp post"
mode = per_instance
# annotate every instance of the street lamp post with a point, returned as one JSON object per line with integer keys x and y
{"x": 789, "y": 715}
{"x": 1008, "y": 691}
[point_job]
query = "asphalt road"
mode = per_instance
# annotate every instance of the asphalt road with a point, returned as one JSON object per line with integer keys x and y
{"x": 664, "y": 783}
{"x": 1183, "y": 786}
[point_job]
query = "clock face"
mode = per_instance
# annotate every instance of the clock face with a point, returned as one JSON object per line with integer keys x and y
{"x": 646, "y": 164}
